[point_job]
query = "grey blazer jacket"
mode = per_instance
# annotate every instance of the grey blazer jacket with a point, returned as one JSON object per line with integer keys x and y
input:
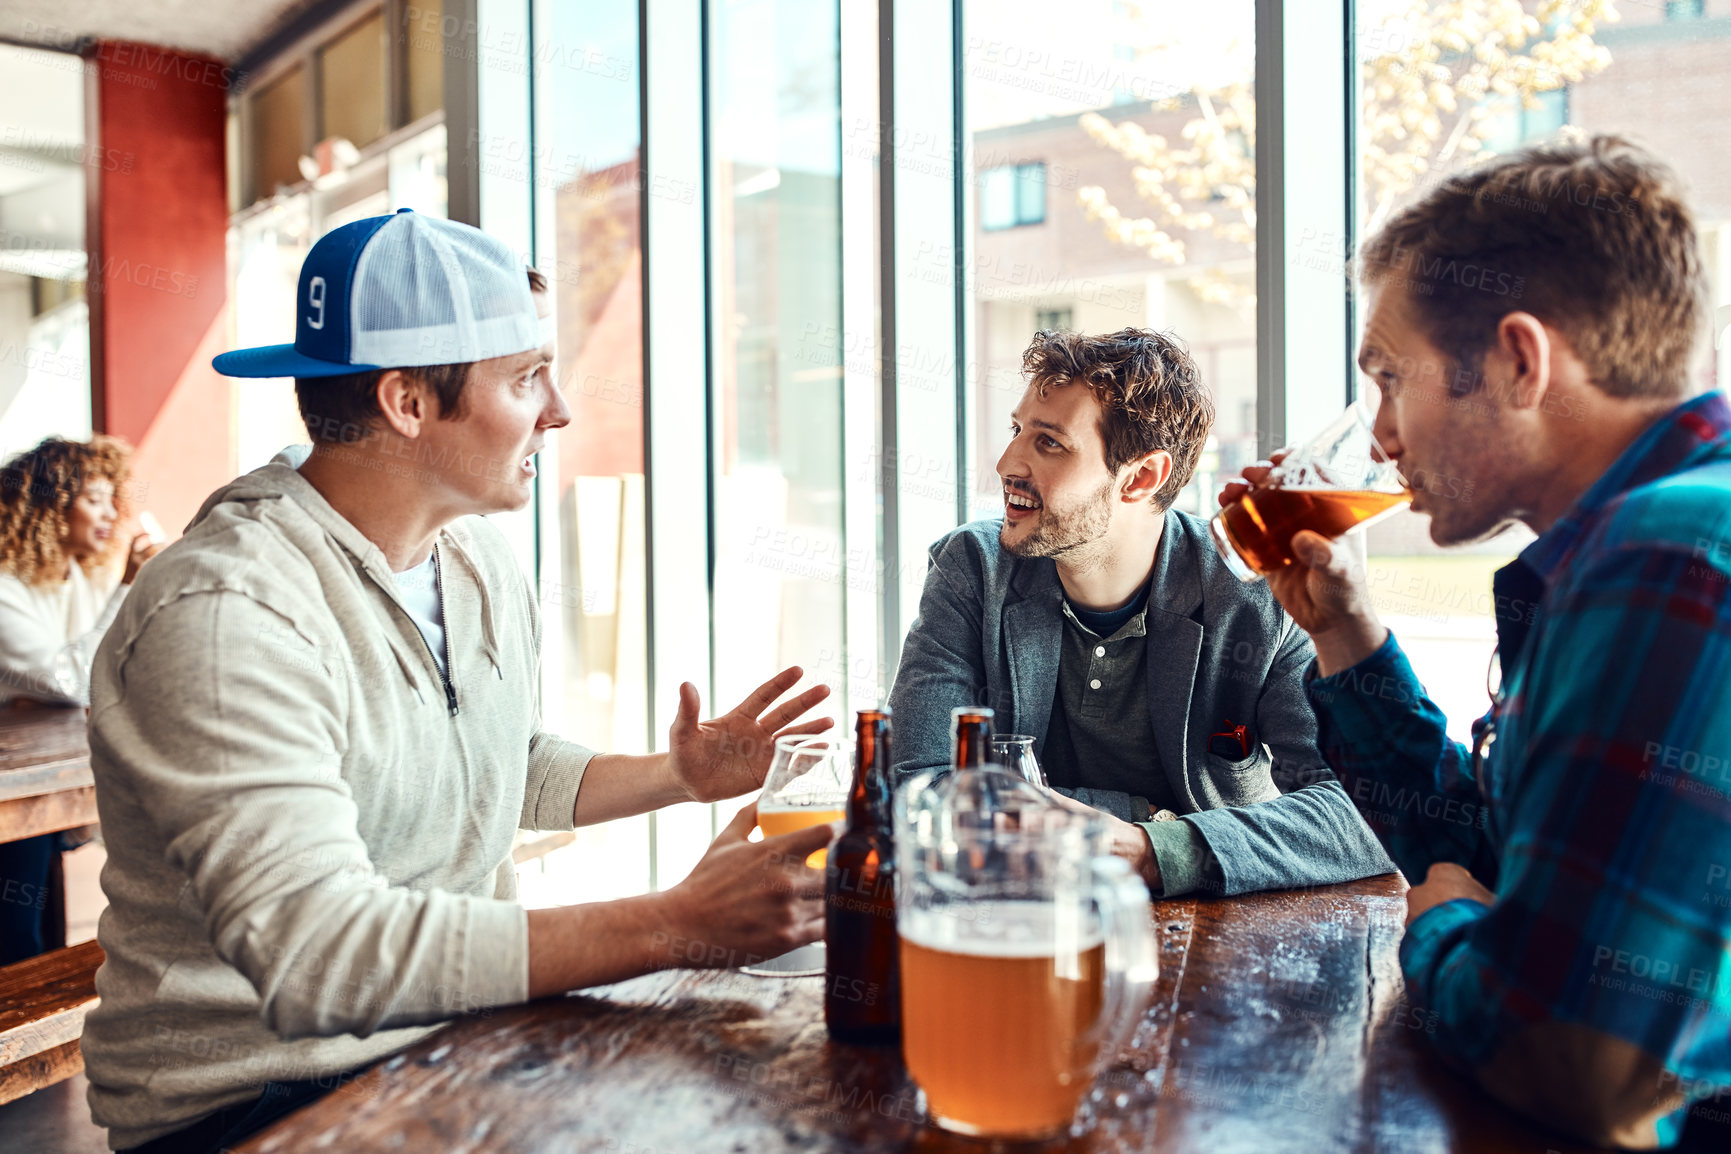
{"x": 990, "y": 631}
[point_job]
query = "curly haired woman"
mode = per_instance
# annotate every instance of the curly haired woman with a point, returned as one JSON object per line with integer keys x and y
{"x": 59, "y": 504}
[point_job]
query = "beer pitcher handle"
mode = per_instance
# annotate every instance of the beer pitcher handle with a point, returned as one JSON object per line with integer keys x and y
{"x": 1132, "y": 954}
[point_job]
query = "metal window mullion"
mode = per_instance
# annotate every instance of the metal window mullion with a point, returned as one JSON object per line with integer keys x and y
{"x": 549, "y": 532}
{"x": 861, "y": 675}
{"x": 920, "y": 158}
{"x": 883, "y": 348}
{"x": 677, "y": 378}
{"x": 461, "y": 91}
{"x": 959, "y": 245}
{"x": 1302, "y": 182}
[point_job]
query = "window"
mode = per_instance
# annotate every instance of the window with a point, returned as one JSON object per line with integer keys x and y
{"x": 279, "y": 131}
{"x": 597, "y": 615}
{"x": 424, "y": 57}
{"x": 353, "y": 82}
{"x": 352, "y": 87}
{"x": 1684, "y": 9}
{"x": 1162, "y": 239}
{"x": 775, "y": 144}
{"x": 1662, "y": 87}
{"x": 1012, "y": 195}
{"x": 44, "y": 322}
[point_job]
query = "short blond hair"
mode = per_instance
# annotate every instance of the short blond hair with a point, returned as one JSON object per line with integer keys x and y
{"x": 1593, "y": 237}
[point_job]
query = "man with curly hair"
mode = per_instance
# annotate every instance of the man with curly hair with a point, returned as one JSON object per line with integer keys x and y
{"x": 59, "y": 505}
{"x": 1098, "y": 619}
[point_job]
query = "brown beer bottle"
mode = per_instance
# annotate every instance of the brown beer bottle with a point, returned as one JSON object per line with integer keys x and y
{"x": 862, "y": 999}
{"x": 970, "y": 737}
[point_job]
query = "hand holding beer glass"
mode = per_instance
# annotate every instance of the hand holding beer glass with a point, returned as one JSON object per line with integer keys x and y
{"x": 1027, "y": 952}
{"x": 807, "y": 785}
{"x": 1339, "y": 480}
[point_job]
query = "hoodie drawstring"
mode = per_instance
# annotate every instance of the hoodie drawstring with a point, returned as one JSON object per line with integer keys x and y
{"x": 408, "y": 668}
{"x": 489, "y": 639}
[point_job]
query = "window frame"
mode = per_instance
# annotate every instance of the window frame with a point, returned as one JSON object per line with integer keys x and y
{"x": 303, "y": 43}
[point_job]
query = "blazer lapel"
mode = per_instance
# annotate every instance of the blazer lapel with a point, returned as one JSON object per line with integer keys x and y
{"x": 1033, "y": 642}
{"x": 1174, "y": 653}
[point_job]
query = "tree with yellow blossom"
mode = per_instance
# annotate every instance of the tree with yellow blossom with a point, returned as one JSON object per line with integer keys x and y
{"x": 1436, "y": 76}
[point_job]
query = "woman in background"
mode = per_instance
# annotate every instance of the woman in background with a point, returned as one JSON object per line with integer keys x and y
{"x": 59, "y": 506}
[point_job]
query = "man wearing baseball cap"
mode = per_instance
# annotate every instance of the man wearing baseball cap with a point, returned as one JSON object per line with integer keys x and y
{"x": 315, "y": 728}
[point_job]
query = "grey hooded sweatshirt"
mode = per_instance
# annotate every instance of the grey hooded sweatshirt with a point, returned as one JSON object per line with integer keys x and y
{"x": 309, "y": 828}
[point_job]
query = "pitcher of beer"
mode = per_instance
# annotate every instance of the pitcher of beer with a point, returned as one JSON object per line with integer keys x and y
{"x": 1339, "y": 480}
{"x": 1027, "y": 952}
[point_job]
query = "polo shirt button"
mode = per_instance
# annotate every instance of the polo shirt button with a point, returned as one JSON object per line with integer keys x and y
{"x": 1094, "y": 684}
{"x": 1099, "y": 651}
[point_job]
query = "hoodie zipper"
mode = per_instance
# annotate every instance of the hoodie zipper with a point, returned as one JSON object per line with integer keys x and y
{"x": 445, "y": 636}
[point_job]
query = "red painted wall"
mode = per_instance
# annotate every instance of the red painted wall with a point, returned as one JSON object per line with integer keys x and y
{"x": 157, "y": 236}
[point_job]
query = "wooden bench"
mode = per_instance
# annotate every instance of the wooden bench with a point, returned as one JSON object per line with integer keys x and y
{"x": 43, "y": 1001}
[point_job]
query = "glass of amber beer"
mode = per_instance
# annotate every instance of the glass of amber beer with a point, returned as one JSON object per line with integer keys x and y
{"x": 1339, "y": 480}
{"x": 808, "y": 782}
{"x": 1027, "y": 952}
{"x": 807, "y": 785}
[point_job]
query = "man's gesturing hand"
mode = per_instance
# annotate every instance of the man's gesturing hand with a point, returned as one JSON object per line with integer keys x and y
{"x": 728, "y": 756}
{"x": 1323, "y": 589}
{"x": 747, "y": 901}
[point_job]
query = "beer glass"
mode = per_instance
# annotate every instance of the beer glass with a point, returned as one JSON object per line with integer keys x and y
{"x": 808, "y": 783}
{"x": 1027, "y": 951}
{"x": 1015, "y": 752}
{"x": 1339, "y": 480}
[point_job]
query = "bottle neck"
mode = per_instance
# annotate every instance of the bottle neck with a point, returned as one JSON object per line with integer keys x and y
{"x": 973, "y": 740}
{"x": 865, "y": 808}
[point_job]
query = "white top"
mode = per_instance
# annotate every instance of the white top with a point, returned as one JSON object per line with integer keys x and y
{"x": 49, "y": 634}
{"x": 418, "y": 588}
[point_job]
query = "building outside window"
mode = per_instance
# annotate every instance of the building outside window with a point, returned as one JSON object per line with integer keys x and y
{"x": 1134, "y": 233}
{"x": 1012, "y": 195}
{"x": 1052, "y": 320}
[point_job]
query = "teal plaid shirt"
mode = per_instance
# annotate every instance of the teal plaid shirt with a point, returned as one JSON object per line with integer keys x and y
{"x": 1602, "y": 822}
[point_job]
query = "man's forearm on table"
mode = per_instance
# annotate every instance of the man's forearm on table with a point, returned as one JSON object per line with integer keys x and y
{"x": 574, "y": 947}
{"x": 1311, "y": 836}
{"x": 617, "y": 785}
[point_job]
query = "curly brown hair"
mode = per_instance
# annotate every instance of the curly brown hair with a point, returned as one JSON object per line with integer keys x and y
{"x": 1150, "y": 392}
{"x": 37, "y": 489}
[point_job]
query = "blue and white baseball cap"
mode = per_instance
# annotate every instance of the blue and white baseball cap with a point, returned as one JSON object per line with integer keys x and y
{"x": 392, "y": 292}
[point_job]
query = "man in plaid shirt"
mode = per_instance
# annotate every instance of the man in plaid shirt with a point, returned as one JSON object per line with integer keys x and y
{"x": 1532, "y": 325}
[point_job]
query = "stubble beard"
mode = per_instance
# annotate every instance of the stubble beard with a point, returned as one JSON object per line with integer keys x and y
{"x": 1062, "y": 534}
{"x": 1471, "y": 488}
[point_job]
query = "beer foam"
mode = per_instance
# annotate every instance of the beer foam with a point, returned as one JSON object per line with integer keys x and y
{"x": 1000, "y": 929}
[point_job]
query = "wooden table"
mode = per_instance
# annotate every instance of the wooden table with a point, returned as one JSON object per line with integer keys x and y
{"x": 45, "y": 782}
{"x": 1279, "y": 1024}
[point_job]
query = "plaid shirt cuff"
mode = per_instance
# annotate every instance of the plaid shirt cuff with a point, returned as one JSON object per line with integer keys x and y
{"x": 1388, "y": 663}
{"x": 1431, "y": 937}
